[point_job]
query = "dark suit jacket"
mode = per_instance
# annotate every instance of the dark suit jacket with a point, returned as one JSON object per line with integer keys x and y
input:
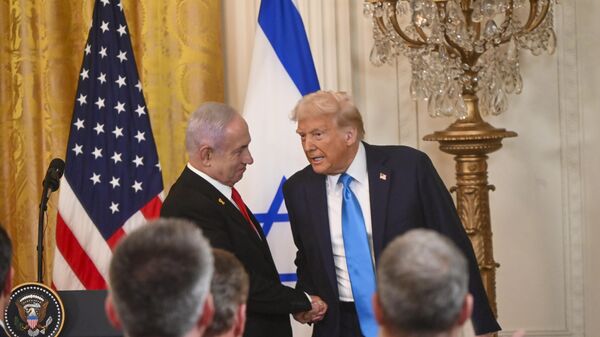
{"x": 405, "y": 193}
{"x": 269, "y": 302}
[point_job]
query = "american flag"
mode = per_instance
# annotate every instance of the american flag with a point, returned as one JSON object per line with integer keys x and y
{"x": 112, "y": 182}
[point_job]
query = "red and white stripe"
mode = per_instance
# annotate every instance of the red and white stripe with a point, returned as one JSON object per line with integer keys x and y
{"x": 82, "y": 255}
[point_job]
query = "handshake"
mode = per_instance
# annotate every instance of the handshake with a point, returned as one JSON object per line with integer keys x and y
{"x": 315, "y": 314}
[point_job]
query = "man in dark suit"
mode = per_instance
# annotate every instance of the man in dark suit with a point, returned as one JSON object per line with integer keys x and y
{"x": 6, "y": 275}
{"x": 217, "y": 140}
{"x": 350, "y": 202}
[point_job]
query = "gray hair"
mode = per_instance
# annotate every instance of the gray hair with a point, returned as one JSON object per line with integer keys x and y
{"x": 206, "y": 126}
{"x": 422, "y": 283}
{"x": 5, "y": 256}
{"x": 334, "y": 103}
{"x": 160, "y": 278}
{"x": 229, "y": 288}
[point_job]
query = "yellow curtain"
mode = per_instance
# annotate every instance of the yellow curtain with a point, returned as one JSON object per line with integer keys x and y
{"x": 178, "y": 51}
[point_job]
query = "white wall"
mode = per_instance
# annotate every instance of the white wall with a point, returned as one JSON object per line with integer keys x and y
{"x": 544, "y": 211}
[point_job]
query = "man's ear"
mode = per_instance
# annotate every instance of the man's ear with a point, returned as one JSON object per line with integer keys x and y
{"x": 350, "y": 135}
{"x": 240, "y": 321}
{"x": 205, "y": 154}
{"x": 208, "y": 313}
{"x": 111, "y": 312}
{"x": 377, "y": 310}
{"x": 466, "y": 310}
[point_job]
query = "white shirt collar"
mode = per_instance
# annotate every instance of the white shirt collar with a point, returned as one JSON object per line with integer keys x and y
{"x": 357, "y": 169}
{"x": 224, "y": 189}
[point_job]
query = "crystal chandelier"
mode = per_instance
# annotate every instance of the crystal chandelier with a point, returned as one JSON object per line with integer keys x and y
{"x": 461, "y": 48}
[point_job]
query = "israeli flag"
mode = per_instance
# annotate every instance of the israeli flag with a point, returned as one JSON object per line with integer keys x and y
{"x": 282, "y": 71}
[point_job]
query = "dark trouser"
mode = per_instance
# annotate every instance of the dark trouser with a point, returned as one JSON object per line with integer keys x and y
{"x": 349, "y": 326}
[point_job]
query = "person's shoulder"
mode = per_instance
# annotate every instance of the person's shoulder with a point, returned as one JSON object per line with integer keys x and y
{"x": 300, "y": 177}
{"x": 395, "y": 152}
{"x": 186, "y": 190}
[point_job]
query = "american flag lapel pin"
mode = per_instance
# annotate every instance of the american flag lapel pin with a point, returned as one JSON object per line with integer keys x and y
{"x": 221, "y": 201}
{"x": 382, "y": 176}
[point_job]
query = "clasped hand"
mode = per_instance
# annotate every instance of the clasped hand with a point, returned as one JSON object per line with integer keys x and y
{"x": 315, "y": 314}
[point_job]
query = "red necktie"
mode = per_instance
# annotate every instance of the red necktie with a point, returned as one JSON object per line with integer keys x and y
{"x": 237, "y": 198}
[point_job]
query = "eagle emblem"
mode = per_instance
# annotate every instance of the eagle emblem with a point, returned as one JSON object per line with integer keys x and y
{"x": 30, "y": 315}
{"x": 34, "y": 310}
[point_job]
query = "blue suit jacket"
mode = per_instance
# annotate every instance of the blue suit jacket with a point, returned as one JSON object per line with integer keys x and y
{"x": 405, "y": 193}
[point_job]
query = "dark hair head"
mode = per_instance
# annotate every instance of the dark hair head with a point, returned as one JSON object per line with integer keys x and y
{"x": 229, "y": 288}
{"x": 5, "y": 255}
{"x": 160, "y": 277}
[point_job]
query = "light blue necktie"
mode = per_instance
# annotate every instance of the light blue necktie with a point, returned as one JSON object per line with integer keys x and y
{"x": 358, "y": 258}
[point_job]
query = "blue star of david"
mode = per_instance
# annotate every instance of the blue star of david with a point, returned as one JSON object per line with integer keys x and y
{"x": 272, "y": 216}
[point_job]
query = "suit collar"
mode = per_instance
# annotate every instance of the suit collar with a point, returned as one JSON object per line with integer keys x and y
{"x": 357, "y": 169}
{"x": 224, "y": 189}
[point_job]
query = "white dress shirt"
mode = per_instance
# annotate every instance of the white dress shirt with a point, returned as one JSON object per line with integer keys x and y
{"x": 360, "y": 187}
{"x": 224, "y": 189}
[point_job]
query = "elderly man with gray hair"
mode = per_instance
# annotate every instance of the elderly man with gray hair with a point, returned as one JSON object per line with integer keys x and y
{"x": 423, "y": 287}
{"x": 160, "y": 278}
{"x": 217, "y": 142}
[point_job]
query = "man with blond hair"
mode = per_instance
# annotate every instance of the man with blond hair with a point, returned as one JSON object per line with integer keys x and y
{"x": 353, "y": 199}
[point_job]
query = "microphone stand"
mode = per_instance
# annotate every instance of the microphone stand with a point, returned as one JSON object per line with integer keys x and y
{"x": 40, "y": 246}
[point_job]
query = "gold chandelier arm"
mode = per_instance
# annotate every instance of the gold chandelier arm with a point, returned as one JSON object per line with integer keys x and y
{"x": 420, "y": 32}
{"x": 532, "y": 24}
{"x": 409, "y": 41}
{"x": 456, "y": 47}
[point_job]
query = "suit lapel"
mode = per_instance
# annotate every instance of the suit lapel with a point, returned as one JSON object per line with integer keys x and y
{"x": 379, "y": 185}
{"x": 224, "y": 204}
{"x": 316, "y": 197}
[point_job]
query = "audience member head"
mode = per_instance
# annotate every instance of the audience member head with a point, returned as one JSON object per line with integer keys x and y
{"x": 229, "y": 288}
{"x": 422, "y": 286}
{"x": 330, "y": 129}
{"x": 217, "y": 140}
{"x": 159, "y": 281}
{"x": 6, "y": 271}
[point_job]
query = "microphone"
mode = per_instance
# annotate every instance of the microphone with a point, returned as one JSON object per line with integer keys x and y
{"x": 50, "y": 183}
{"x": 53, "y": 175}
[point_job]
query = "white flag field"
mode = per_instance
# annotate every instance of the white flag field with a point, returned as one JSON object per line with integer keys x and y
{"x": 282, "y": 71}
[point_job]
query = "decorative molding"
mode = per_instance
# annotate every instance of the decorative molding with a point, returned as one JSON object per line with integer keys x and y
{"x": 570, "y": 117}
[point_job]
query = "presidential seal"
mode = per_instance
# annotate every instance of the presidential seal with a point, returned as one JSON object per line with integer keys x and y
{"x": 34, "y": 310}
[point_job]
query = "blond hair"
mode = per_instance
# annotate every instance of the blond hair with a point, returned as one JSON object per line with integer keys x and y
{"x": 334, "y": 103}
